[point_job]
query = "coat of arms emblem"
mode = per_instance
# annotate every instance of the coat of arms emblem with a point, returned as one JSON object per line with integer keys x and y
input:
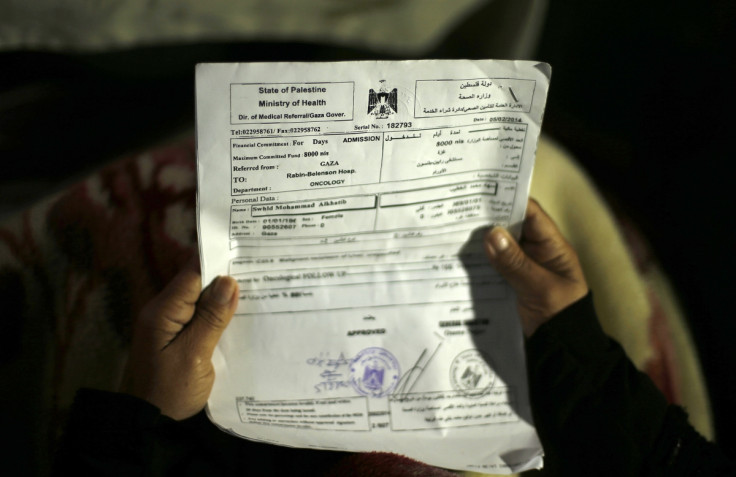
{"x": 383, "y": 103}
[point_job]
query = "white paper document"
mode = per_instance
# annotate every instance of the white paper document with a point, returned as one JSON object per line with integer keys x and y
{"x": 349, "y": 199}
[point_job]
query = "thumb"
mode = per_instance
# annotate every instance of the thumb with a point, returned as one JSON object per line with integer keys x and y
{"x": 213, "y": 313}
{"x": 523, "y": 274}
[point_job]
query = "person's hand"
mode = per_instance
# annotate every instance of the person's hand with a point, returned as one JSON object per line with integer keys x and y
{"x": 170, "y": 363}
{"x": 543, "y": 270}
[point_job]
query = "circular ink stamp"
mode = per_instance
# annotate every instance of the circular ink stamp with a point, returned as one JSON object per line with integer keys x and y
{"x": 374, "y": 372}
{"x": 470, "y": 374}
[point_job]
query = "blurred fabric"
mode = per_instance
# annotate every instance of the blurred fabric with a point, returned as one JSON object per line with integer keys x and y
{"x": 407, "y": 27}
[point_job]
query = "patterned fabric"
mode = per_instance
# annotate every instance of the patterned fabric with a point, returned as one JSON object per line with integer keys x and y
{"x": 84, "y": 262}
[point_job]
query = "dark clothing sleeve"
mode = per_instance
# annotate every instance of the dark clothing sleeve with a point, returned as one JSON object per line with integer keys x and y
{"x": 596, "y": 414}
{"x": 113, "y": 434}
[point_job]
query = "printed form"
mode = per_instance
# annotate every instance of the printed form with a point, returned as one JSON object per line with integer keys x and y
{"x": 348, "y": 200}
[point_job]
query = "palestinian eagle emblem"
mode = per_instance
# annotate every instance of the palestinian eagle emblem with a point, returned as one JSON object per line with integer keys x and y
{"x": 383, "y": 103}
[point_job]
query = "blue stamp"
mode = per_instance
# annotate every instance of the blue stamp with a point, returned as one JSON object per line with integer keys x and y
{"x": 374, "y": 372}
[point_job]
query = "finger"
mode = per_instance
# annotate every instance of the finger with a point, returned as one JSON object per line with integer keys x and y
{"x": 214, "y": 311}
{"x": 544, "y": 243}
{"x": 508, "y": 258}
{"x": 167, "y": 314}
{"x": 539, "y": 229}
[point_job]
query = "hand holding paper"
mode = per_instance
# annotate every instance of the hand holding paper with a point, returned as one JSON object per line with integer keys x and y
{"x": 543, "y": 269}
{"x": 170, "y": 363}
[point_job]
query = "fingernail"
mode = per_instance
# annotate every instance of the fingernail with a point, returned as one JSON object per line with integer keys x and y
{"x": 496, "y": 241}
{"x": 500, "y": 242}
{"x": 222, "y": 290}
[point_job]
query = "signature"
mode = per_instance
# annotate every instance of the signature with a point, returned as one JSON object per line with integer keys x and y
{"x": 333, "y": 372}
{"x": 410, "y": 378}
{"x": 324, "y": 386}
{"x": 324, "y": 361}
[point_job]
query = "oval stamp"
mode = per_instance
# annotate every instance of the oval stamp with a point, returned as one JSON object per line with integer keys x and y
{"x": 470, "y": 373}
{"x": 374, "y": 372}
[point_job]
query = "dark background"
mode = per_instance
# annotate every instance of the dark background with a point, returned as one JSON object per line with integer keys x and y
{"x": 641, "y": 93}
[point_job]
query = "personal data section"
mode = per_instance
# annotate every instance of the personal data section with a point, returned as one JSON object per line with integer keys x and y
{"x": 349, "y": 202}
{"x": 425, "y": 208}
